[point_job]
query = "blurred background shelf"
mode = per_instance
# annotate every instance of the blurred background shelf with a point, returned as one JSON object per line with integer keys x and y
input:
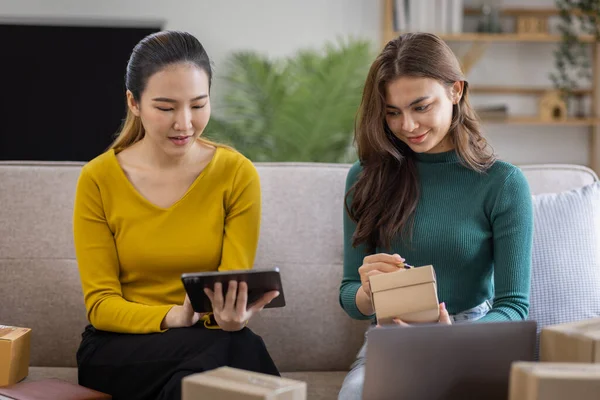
{"x": 531, "y": 25}
{"x": 509, "y": 37}
{"x": 501, "y": 37}
{"x": 533, "y": 120}
{"x": 543, "y": 12}
{"x": 521, "y": 90}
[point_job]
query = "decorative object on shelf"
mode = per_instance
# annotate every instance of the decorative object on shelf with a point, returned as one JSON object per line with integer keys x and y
{"x": 492, "y": 112}
{"x": 572, "y": 60}
{"x": 527, "y": 24}
{"x": 489, "y": 21}
{"x": 553, "y": 106}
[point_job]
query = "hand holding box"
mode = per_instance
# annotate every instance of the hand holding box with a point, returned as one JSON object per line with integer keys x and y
{"x": 407, "y": 294}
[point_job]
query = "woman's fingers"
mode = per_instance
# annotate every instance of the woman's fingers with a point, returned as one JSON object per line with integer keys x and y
{"x": 367, "y": 283}
{"x": 368, "y": 270}
{"x": 242, "y": 298}
{"x": 374, "y": 272}
{"x": 393, "y": 259}
{"x": 231, "y": 296}
{"x": 263, "y": 301}
{"x": 231, "y": 310}
{"x": 217, "y": 297}
{"x": 444, "y": 315}
{"x": 211, "y": 296}
{"x": 187, "y": 304}
{"x": 398, "y": 321}
{"x": 379, "y": 266}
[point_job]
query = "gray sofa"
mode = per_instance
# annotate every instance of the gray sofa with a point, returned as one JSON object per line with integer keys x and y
{"x": 311, "y": 339}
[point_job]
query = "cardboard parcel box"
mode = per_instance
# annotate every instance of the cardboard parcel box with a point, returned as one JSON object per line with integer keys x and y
{"x": 15, "y": 346}
{"x": 227, "y": 383}
{"x": 554, "y": 381}
{"x": 571, "y": 342}
{"x": 408, "y": 294}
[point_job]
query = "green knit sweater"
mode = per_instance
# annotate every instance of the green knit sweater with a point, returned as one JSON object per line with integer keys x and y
{"x": 475, "y": 229}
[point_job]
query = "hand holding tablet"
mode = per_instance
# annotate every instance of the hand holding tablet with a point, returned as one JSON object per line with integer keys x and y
{"x": 259, "y": 282}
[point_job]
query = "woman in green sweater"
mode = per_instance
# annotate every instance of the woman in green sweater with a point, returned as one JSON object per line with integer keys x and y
{"x": 428, "y": 190}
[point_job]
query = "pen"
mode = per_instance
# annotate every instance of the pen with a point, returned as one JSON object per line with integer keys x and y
{"x": 404, "y": 265}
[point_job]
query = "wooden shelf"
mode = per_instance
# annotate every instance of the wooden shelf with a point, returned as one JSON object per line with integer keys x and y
{"x": 516, "y": 11}
{"x": 510, "y": 37}
{"x": 536, "y": 121}
{"x": 498, "y": 37}
{"x": 520, "y": 90}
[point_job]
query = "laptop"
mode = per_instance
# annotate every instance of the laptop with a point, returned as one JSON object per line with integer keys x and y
{"x": 461, "y": 361}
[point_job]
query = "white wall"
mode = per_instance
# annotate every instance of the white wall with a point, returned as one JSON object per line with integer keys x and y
{"x": 280, "y": 27}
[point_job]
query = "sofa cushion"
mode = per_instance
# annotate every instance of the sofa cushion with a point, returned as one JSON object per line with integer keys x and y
{"x": 45, "y": 295}
{"x": 301, "y": 233}
{"x": 320, "y": 385}
{"x": 555, "y": 178}
{"x": 565, "y": 277}
{"x": 41, "y": 373}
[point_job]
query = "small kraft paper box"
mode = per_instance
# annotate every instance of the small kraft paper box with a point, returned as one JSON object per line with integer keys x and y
{"x": 408, "y": 294}
{"x": 227, "y": 383}
{"x": 554, "y": 381}
{"x": 15, "y": 346}
{"x": 571, "y": 342}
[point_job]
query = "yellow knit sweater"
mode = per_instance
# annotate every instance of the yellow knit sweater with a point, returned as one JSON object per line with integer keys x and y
{"x": 131, "y": 253}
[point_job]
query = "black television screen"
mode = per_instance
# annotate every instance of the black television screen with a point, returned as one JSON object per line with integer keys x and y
{"x": 63, "y": 89}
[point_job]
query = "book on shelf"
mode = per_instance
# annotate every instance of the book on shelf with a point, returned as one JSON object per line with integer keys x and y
{"x": 435, "y": 16}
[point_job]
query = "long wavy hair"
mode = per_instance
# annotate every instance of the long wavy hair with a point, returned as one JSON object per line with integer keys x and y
{"x": 151, "y": 55}
{"x": 386, "y": 193}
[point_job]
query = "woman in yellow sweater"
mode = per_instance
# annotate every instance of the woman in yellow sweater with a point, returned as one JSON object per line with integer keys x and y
{"x": 161, "y": 202}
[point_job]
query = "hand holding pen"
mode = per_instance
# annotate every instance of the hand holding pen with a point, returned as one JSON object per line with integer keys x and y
{"x": 379, "y": 264}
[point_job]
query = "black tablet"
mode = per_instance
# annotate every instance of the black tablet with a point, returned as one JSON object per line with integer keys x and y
{"x": 260, "y": 281}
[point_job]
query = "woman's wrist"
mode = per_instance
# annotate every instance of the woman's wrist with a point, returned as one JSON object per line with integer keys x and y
{"x": 173, "y": 318}
{"x": 363, "y": 302}
{"x": 233, "y": 327}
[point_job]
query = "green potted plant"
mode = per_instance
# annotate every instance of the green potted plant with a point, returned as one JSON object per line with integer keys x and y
{"x": 572, "y": 58}
{"x": 299, "y": 108}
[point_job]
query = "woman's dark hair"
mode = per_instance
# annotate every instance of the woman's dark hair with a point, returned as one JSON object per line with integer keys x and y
{"x": 386, "y": 193}
{"x": 151, "y": 55}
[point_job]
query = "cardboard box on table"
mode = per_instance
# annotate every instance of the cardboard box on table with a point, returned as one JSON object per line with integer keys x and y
{"x": 15, "y": 347}
{"x": 554, "y": 381}
{"x": 577, "y": 341}
{"x": 407, "y": 294}
{"x": 227, "y": 383}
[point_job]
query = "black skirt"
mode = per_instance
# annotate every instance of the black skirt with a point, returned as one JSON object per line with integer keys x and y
{"x": 151, "y": 366}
